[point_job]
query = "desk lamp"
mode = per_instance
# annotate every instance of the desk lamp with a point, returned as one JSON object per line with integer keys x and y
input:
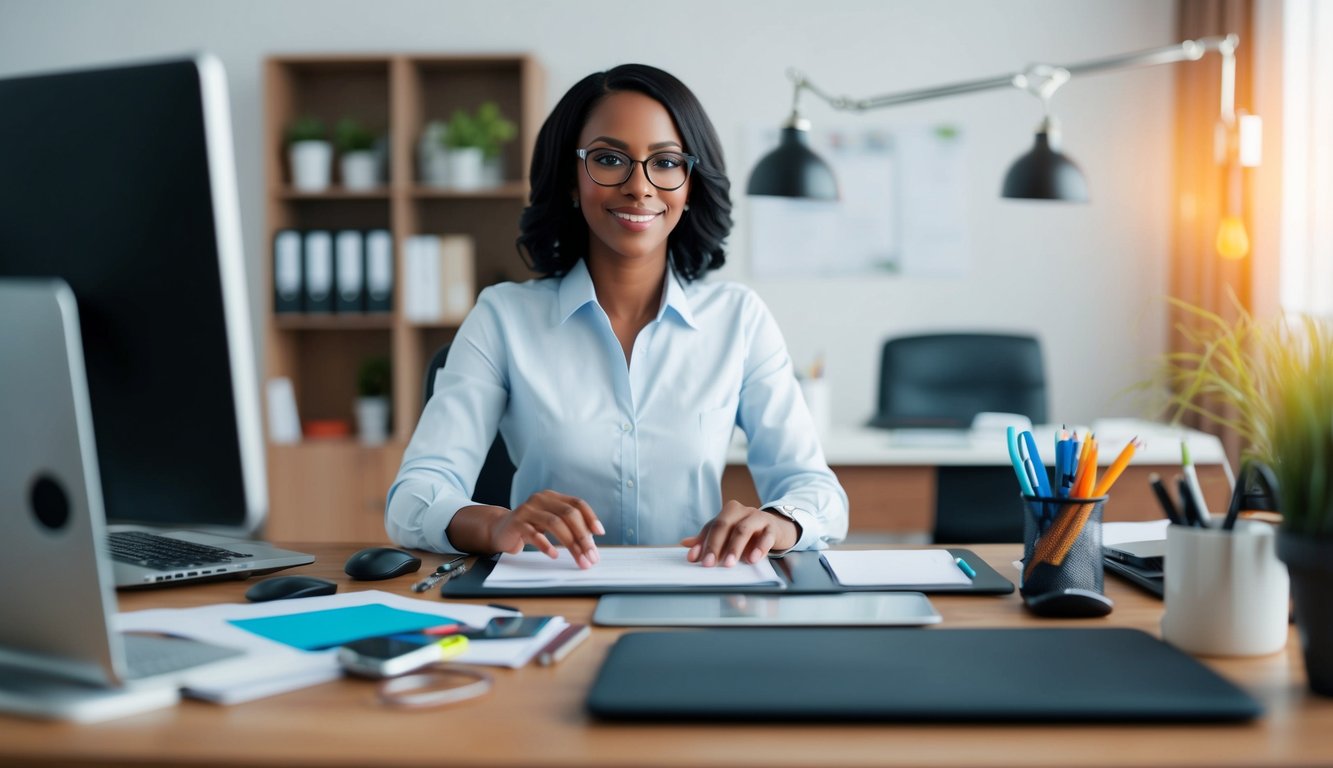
{"x": 1043, "y": 173}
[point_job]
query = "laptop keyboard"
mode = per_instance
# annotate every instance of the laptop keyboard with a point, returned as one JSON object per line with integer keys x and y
{"x": 151, "y": 655}
{"x": 165, "y": 553}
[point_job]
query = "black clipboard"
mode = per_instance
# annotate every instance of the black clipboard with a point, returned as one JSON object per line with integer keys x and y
{"x": 804, "y": 573}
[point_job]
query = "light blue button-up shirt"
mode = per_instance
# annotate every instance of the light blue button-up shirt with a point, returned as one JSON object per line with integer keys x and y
{"x": 645, "y": 443}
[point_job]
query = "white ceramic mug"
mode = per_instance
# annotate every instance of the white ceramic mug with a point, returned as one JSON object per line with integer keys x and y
{"x": 1226, "y": 591}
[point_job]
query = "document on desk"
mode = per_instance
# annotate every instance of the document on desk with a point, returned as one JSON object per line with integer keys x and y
{"x": 894, "y": 567}
{"x": 273, "y": 665}
{"x": 627, "y": 566}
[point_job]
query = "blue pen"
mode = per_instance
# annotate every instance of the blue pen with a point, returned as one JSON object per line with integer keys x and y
{"x": 965, "y": 568}
{"x": 1043, "y": 484}
{"x": 1024, "y": 484}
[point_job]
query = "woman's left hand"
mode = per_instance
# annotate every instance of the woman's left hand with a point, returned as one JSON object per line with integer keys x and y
{"x": 739, "y": 532}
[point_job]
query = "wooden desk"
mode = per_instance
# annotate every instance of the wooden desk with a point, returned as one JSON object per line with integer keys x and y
{"x": 535, "y": 717}
{"x": 890, "y": 476}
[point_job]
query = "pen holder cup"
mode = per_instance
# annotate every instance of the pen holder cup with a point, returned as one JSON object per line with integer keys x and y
{"x": 1062, "y": 557}
{"x": 1226, "y": 591}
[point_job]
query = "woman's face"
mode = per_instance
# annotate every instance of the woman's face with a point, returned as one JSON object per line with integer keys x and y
{"x": 630, "y": 219}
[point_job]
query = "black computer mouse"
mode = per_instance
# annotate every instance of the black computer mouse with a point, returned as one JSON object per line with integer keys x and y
{"x": 283, "y": 587}
{"x": 1070, "y": 603}
{"x": 374, "y": 563}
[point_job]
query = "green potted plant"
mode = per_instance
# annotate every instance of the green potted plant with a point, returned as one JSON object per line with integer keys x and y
{"x": 474, "y": 141}
{"x": 1272, "y": 382}
{"x": 310, "y": 154}
{"x": 374, "y": 381}
{"x": 356, "y": 150}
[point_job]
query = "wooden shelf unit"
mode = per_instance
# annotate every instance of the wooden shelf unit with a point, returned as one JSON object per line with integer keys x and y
{"x": 333, "y": 490}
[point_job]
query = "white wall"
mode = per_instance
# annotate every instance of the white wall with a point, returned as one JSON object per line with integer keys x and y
{"x": 1088, "y": 279}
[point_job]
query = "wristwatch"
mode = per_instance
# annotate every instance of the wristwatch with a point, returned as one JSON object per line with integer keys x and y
{"x": 788, "y": 512}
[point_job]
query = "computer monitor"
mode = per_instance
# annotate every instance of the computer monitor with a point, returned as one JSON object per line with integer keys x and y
{"x": 122, "y": 182}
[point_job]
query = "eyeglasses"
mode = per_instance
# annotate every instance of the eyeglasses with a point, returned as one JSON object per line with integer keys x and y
{"x": 611, "y": 168}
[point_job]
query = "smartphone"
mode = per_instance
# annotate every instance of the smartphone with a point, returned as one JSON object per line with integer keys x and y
{"x": 508, "y": 628}
{"x": 393, "y": 655}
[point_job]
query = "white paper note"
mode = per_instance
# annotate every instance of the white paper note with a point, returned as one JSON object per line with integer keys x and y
{"x": 627, "y": 566}
{"x": 894, "y": 567}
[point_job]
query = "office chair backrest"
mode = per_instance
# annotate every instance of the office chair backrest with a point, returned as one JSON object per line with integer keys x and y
{"x": 945, "y": 379}
{"x": 496, "y": 478}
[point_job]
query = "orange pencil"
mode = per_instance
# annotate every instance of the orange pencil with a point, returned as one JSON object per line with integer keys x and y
{"x": 1117, "y": 466}
{"x": 1087, "y": 469}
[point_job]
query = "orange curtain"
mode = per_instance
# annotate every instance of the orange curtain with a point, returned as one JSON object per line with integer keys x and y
{"x": 1198, "y": 275}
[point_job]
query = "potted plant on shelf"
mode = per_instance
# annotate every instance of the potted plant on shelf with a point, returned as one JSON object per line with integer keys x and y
{"x": 474, "y": 141}
{"x": 310, "y": 154}
{"x": 356, "y": 149}
{"x": 372, "y": 402}
{"x": 1272, "y": 382}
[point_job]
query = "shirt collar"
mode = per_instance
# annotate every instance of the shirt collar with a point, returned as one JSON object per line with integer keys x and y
{"x": 576, "y": 290}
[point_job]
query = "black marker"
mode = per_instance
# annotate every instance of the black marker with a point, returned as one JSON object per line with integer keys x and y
{"x": 1164, "y": 499}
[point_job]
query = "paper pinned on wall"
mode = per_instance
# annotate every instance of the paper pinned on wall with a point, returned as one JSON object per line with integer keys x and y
{"x": 902, "y": 209}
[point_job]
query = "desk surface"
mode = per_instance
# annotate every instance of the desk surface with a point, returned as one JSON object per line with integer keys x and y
{"x": 866, "y": 446}
{"x": 535, "y": 715}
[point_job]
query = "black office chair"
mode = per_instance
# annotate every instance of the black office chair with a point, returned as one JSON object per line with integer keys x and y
{"x": 496, "y": 478}
{"x": 946, "y": 379}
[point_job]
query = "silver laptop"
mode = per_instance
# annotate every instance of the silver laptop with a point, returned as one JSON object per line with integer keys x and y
{"x": 149, "y": 241}
{"x": 58, "y": 655}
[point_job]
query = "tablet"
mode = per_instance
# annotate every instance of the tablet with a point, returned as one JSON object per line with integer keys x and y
{"x": 849, "y": 609}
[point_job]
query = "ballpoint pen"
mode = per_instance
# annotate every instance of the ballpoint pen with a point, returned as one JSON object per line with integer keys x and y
{"x": 1187, "y": 505}
{"x": 451, "y": 575}
{"x": 439, "y": 573}
{"x": 1016, "y": 458}
{"x": 1043, "y": 483}
{"x": 1192, "y": 478}
{"x": 1164, "y": 499}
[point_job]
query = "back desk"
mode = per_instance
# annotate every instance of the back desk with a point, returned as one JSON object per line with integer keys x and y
{"x": 535, "y": 717}
{"x": 890, "y": 475}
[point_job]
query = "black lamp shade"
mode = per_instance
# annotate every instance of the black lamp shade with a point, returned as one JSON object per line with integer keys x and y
{"x": 1044, "y": 174}
{"x": 793, "y": 170}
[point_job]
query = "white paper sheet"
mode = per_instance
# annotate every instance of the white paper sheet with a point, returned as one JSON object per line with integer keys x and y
{"x": 627, "y": 566}
{"x": 269, "y": 667}
{"x": 894, "y": 567}
{"x": 1120, "y": 533}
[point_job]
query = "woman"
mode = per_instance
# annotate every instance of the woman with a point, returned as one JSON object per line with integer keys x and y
{"x": 616, "y": 379}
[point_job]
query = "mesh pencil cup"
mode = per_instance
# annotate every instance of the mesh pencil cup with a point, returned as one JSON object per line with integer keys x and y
{"x": 1062, "y": 557}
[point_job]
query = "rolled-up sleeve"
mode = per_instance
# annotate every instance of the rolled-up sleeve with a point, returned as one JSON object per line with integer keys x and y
{"x": 785, "y": 457}
{"x": 456, "y": 429}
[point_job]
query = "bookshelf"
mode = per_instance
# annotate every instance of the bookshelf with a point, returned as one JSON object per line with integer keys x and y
{"x": 333, "y": 489}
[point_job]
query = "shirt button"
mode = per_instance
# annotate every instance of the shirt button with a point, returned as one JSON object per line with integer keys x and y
{"x": 629, "y": 483}
{"x": 625, "y": 427}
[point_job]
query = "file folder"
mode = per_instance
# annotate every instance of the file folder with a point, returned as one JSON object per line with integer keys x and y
{"x": 349, "y": 275}
{"x": 287, "y": 281}
{"x": 379, "y": 271}
{"x": 318, "y": 272}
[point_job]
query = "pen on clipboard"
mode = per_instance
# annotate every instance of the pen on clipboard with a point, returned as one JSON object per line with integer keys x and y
{"x": 569, "y": 638}
{"x": 451, "y": 575}
{"x": 439, "y": 573}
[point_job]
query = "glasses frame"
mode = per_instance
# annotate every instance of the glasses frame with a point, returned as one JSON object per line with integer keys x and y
{"x": 690, "y": 162}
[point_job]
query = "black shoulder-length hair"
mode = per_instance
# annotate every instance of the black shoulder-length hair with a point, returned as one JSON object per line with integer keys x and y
{"x": 553, "y": 234}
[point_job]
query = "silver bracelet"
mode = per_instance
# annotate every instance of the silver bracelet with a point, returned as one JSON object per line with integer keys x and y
{"x": 437, "y": 686}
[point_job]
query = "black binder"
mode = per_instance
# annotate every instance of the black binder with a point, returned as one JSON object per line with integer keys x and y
{"x": 288, "y": 269}
{"x": 318, "y": 259}
{"x": 379, "y": 271}
{"x": 803, "y": 572}
{"x": 349, "y": 272}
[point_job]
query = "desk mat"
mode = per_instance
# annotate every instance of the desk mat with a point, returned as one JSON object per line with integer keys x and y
{"x": 910, "y": 675}
{"x": 805, "y": 573}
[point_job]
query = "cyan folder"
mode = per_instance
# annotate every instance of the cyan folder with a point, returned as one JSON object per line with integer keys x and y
{"x": 318, "y": 630}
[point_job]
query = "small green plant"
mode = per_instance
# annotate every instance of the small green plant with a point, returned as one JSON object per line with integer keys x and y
{"x": 349, "y": 135}
{"x": 1271, "y": 382}
{"x": 374, "y": 377}
{"x": 487, "y": 129}
{"x": 307, "y": 129}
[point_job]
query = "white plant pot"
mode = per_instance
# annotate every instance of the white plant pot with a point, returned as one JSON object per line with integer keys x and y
{"x": 312, "y": 165}
{"x": 492, "y": 171}
{"x": 360, "y": 170}
{"x": 435, "y": 169}
{"x": 465, "y": 168}
{"x": 372, "y": 419}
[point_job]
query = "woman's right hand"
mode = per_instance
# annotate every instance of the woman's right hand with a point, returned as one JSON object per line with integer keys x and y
{"x": 567, "y": 518}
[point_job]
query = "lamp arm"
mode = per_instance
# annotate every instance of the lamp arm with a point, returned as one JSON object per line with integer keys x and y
{"x": 1187, "y": 50}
